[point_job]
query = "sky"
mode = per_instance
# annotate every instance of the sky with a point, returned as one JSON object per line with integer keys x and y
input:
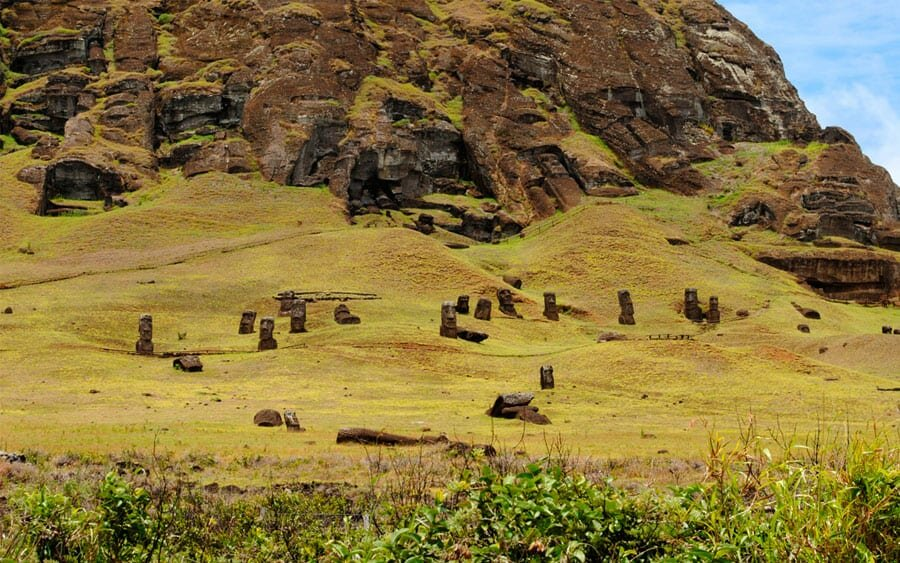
{"x": 844, "y": 58}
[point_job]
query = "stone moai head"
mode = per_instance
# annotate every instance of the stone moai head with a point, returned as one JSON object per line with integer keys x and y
{"x": 713, "y": 315}
{"x": 626, "y": 316}
{"x": 505, "y": 298}
{"x": 551, "y": 312}
{"x": 145, "y": 327}
{"x": 692, "y": 309}
{"x": 483, "y": 309}
{"x": 547, "y": 381}
{"x": 448, "y": 320}
{"x": 286, "y": 299}
{"x": 266, "y": 328}
{"x": 462, "y": 305}
{"x": 248, "y": 320}
{"x": 298, "y": 316}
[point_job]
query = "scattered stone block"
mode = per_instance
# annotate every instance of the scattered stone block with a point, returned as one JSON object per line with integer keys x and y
{"x": 897, "y": 331}
{"x": 448, "y": 320}
{"x": 471, "y": 335}
{"x": 803, "y": 328}
{"x": 462, "y": 305}
{"x": 8, "y": 311}
{"x": 425, "y": 224}
{"x": 551, "y": 312}
{"x": 248, "y": 320}
{"x": 626, "y": 316}
{"x": 531, "y": 414}
{"x": 509, "y": 405}
{"x": 742, "y": 313}
{"x": 144, "y": 345}
{"x": 267, "y": 334}
{"x": 267, "y": 418}
{"x": 512, "y": 280}
{"x": 12, "y": 457}
{"x": 343, "y": 316}
{"x": 291, "y": 422}
{"x": 692, "y": 310}
{"x": 610, "y": 337}
{"x": 298, "y": 317}
{"x": 483, "y": 309}
{"x": 547, "y": 377}
{"x": 886, "y": 330}
{"x": 505, "y": 298}
{"x": 286, "y": 300}
{"x": 713, "y": 316}
{"x": 189, "y": 363}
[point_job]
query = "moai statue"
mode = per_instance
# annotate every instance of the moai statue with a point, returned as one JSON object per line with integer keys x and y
{"x": 144, "y": 345}
{"x": 483, "y": 309}
{"x": 291, "y": 422}
{"x": 298, "y": 317}
{"x": 550, "y": 310}
{"x": 504, "y": 296}
{"x": 343, "y": 316}
{"x": 448, "y": 320}
{"x": 887, "y": 330}
{"x": 286, "y": 298}
{"x": 266, "y": 330}
{"x": 248, "y": 320}
{"x": 626, "y": 317}
{"x": 692, "y": 309}
{"x": 547, "y": 377}
{"x": 713, "y": 316}
{"x": 462, "y": 305}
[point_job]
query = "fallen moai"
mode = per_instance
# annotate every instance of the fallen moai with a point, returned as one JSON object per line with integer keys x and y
{"x": 267, "y": 418}
{"x": 512, "y": 280}
{"x": 378, "y": 438}
{"x": 343, "y": 316}
{"x": 190, "y": 363}
{"x": 610, "y": 337}
{"x": 807, "y": 312}
{"x": 803, "y": 328}
{"x": 517, "y": 405}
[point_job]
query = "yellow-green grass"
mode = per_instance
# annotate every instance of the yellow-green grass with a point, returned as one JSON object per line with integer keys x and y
{"x": 215, "y": 245}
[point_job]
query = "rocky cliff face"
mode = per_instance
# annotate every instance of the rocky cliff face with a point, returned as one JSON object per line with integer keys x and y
{"x": 537, "y": 104}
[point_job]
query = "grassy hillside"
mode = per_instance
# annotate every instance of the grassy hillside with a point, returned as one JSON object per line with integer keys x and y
{"x": 195, "y": 253}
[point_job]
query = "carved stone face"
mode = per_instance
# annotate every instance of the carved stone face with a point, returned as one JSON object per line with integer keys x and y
{"x": 145, "y": 327}
{"x": 713, "y": 302}
{"x": 504, "y": 296}
{"x": 550, "y": 300}
{"x": 448, "y": 314}
{"x": 266, "y": 328}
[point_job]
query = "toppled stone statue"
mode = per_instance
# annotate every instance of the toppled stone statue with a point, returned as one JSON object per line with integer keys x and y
{"x": 144, "y": 345}
{"x": 807, "y": 312}
{"x": 286, "y": 300}
{"x": 268, "y": 418}
{"x": 551, "y": 312}
{"x": 448, "y": 320}
{"x": 713, "y": 316}
{"x": 8, "y": 311}
{"x": 291, "y": 422}
{"x": 626, "y": 316}
{"x": 266, "y": 334}
{"x": 803, "y": 328}
{"x": 692, "y": 310}
{"x": 248, "y": 320}
{"x": 190, "y": 363}
{"x": 471, "y": 335}
{"x": 512, "y": 280}
{"x": 342, "y": 316}
{"x": 610, "y": 337}
{"x": 483, "y": 309}
{"x": 462, "y": 305}
{"x": 517, "y": 405}
{"x": 887, "y": 330}
{"x": 298, "y": 317}
{"x": 547, "y": 377}
{"x": 505, "y": 298}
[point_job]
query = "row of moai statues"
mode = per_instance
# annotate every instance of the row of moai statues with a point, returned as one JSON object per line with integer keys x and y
{"x": 484, "y": 306}
{"x": 693, "y": 311}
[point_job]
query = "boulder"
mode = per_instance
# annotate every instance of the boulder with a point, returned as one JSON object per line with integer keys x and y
{"x": 189, "y": 363}
{"x": 267, "y": 418}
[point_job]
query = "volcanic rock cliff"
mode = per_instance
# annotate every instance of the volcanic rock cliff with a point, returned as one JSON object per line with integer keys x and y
{"x": 537, "y": 104}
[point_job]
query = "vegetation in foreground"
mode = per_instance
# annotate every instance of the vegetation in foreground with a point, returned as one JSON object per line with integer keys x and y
{"x": 824, "y": 499}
